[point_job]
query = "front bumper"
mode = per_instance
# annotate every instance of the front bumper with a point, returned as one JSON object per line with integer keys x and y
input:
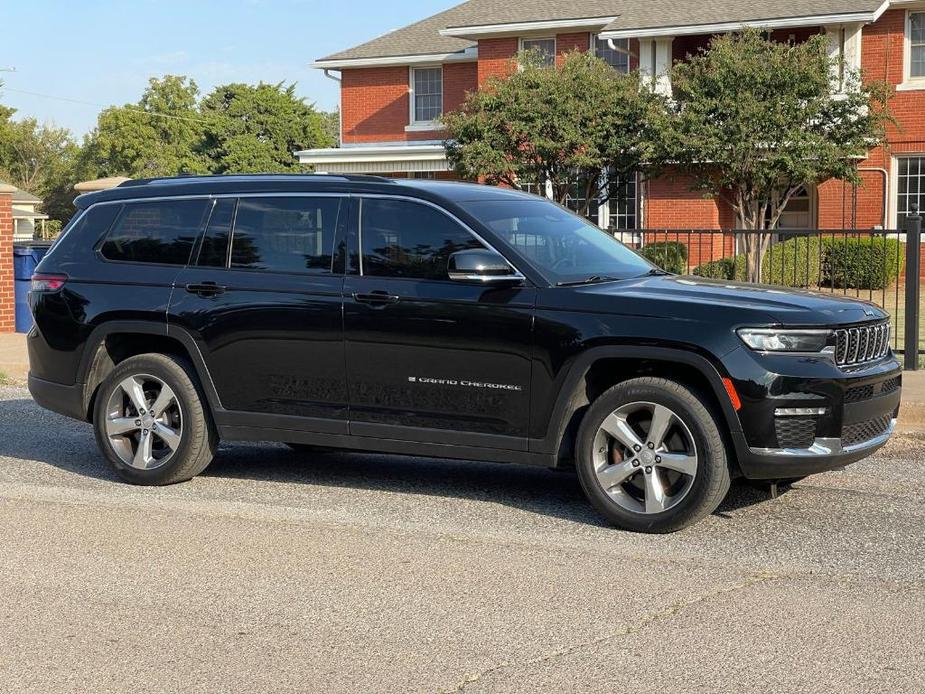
{"x": 856, "y": 413}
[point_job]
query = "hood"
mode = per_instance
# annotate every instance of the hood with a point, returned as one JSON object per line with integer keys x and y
{"x": 696, "y": 298}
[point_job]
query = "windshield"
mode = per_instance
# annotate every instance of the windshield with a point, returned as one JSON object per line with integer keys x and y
{"x": 564, "y": 247}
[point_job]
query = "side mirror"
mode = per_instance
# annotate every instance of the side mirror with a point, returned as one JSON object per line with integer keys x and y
{"x": 481, "y": 265}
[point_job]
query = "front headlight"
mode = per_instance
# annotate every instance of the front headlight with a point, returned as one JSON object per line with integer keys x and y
{"x": 782, "y": 340}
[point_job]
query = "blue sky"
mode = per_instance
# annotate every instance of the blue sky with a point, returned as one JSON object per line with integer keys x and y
{"x": 104, "y": 51}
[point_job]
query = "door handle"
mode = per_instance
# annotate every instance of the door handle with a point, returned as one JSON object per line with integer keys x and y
{"x": 206, "y": 289}
{"x": 377, "y": 298}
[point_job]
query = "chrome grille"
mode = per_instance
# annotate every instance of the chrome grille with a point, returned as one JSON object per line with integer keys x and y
{"x": 860, "y": 345}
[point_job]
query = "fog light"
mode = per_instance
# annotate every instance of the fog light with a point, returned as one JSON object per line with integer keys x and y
{"x": 801, "y": 411}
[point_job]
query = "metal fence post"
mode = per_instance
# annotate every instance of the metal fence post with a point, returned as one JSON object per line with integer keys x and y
{"x": 913, "y": 271}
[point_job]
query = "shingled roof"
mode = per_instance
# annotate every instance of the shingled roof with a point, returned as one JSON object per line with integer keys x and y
{"x": 452, "y": 31}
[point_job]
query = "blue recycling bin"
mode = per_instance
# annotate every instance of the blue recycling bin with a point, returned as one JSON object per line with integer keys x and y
{"x": 26, "y": 258}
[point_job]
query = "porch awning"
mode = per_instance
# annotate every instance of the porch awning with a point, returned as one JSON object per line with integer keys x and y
{"x": 376, "y": 159}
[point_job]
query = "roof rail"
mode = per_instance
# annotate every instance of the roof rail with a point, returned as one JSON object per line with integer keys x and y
{"x": 186, "y": 178}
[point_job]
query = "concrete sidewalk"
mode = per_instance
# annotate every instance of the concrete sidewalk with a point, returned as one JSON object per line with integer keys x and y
{"x": 14, "y": 360}
{"x": 14, "y": 365}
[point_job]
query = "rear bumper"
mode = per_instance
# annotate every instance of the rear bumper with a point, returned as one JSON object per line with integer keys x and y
{"x": 66, "y": 400}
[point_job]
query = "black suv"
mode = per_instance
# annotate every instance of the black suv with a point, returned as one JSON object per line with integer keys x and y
{"x": 446, "y": 320}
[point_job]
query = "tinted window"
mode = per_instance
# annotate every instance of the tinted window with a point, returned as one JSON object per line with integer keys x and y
{"x": 156, "y": 232}
{"x": 564, "y": 246}
{"x": 214, "y": 250}
{"x": 293, "y": 234}
{"x": 407, "y": 239}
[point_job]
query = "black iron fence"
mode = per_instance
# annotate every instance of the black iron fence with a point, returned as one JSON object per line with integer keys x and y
{"x": 883, "y": 266}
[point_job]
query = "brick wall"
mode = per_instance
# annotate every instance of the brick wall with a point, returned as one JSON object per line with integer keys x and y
{"x": 376, "y": 107}
{"x": 7, "y": 310}
{"x": 495, "y": 57}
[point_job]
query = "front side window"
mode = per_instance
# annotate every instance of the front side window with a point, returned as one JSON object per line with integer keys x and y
{"x": 562, "y": 246}
{"x": 156, "y": 232}
{"x": 619, "y": 60}
{"x": 401, "y": 238}
{"x": 286, "y": 234}
{"x": 543, "y": 49}
{"x": 911, "y": 186}
{"x": 428, "y": 94}
{"x": 917, "y": 45}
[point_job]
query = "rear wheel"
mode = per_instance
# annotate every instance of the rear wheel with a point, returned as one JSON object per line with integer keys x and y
{"x": 151, "y": 422}
{"x": 651, "y": 457}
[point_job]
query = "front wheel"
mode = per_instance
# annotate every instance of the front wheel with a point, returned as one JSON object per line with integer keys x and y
{"x": 651, "y": 457}
{"x": 151, "y": 422}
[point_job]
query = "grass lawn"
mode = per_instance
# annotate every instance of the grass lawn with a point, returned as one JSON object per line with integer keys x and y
{"x": 893, "y": 300}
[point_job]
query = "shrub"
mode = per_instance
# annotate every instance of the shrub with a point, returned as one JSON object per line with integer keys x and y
{"x": 862, "y": 263}
{"x": 795, "y": 262}
{"x": 668, "y": 255}
{"x": 723, "y": 269}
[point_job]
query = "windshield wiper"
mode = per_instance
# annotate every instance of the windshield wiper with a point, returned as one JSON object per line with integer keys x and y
{"x": 655, "y": 272}
{"x": 593, "y": 279}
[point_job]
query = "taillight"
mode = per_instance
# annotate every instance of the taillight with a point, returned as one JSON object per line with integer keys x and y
{"x": 48, "y": 283}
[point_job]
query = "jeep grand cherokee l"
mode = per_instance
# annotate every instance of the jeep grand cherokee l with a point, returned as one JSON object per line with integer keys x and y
{"x": 445, "y": 320}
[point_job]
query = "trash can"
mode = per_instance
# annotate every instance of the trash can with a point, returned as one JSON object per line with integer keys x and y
{"x": 26, "y": 257}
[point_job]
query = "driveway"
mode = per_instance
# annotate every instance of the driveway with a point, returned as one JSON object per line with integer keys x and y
{"x": 341, "y": 572}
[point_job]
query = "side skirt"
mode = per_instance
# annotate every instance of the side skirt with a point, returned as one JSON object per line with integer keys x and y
{"x": 382, "y": 445}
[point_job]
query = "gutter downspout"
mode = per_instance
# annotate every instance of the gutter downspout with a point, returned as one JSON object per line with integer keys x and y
{"x": 340, "y": 113}
{"x": 886, "y": 190}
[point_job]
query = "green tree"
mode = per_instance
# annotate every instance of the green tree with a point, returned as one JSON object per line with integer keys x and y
{"x": 564, "y": 125}
{"x": 158, "y": 136}
{"x": 255, "y": 128}
{"x": 40, "y": 159}
{"x": 330, "y": 123}
{"x": 770, "y": 119}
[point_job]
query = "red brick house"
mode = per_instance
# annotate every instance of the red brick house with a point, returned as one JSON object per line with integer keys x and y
{"x": 394, "y": 88}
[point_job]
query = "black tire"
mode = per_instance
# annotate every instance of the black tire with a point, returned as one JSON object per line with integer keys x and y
{"x": 198, "y": 439}
{"x": 709, "y": 485}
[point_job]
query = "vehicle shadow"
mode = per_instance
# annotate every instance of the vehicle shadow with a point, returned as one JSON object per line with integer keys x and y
{"x": 29, "y": 433}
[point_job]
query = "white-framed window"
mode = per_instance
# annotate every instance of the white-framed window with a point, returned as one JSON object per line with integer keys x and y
{"x": 618, "y": 59}
{"x": 915, "y": 45}
{"x": 544, "y": 48}
{"x": 910, "y": 186}
{"x": 426, "y": 95}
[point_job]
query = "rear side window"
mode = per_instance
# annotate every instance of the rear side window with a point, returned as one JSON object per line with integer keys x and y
{"x": 214, "y": 250}
{"x": 156, "y": 232}
{"x": 409, "y": 239}
{"x": 286, "y": 234}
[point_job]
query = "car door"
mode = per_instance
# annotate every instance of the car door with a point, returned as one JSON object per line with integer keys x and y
{"x": 263, "y": 300}
{"x": 430, "y": 359}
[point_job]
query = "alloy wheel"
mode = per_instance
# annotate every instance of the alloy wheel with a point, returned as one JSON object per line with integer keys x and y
{"x": 645, "y": 458}
{"x": 144, "y": 422}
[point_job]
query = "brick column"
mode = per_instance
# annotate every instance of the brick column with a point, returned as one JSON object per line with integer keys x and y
{"x": 7, "y": 310}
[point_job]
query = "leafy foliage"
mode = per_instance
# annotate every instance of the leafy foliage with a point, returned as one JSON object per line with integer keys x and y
{"x": 668, "y": 255}
{"x": 565, "y": 125}
{"x": 769, "y": 119}
{"x": 795, "y": 262}
{"x": 256, "y": 128}
{"x": 723, "y": 269}
{"x": 862, "y": 263}
{"x": 158, "y": 136}
{"x": 39, "y": 159}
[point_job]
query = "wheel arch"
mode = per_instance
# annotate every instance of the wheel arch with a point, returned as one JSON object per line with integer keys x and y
{"x": 113, "y": 342}
{"x": 600, "y": 368}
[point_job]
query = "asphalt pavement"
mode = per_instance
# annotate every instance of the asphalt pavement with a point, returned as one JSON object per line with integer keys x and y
{"x": 340, "y": 572}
